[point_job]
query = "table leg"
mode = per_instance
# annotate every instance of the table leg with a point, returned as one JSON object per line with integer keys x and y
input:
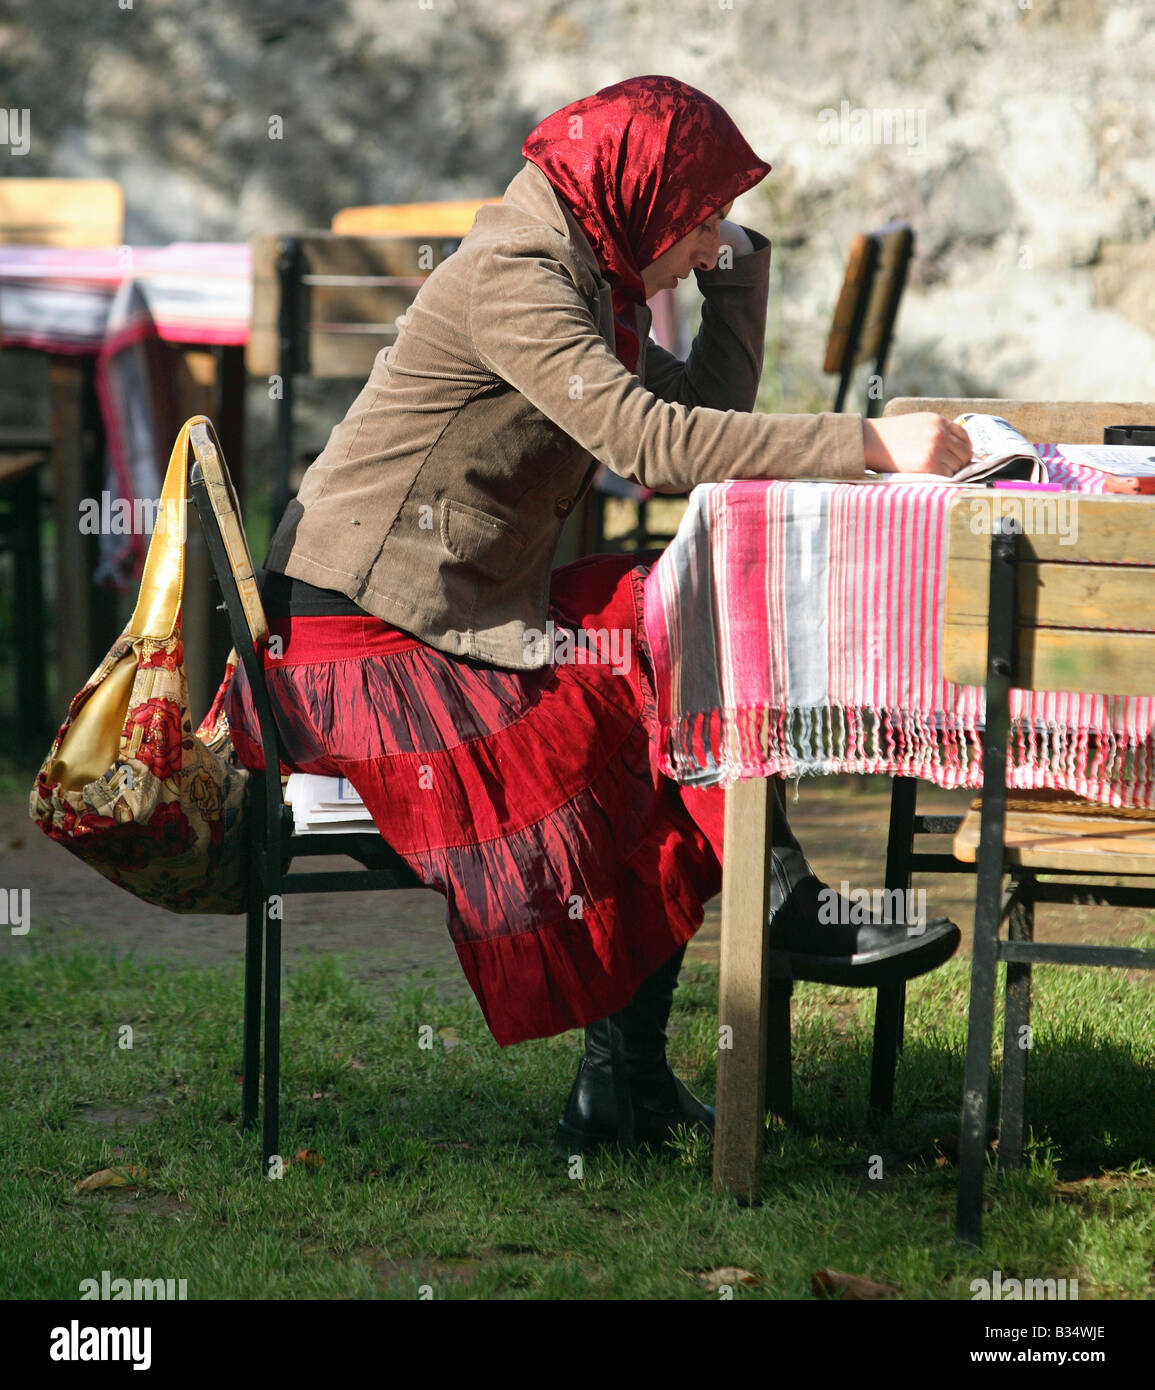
{"x": 743, "y": 990}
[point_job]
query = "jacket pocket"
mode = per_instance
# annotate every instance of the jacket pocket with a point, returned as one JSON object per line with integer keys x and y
{"x": 488, "y": 544}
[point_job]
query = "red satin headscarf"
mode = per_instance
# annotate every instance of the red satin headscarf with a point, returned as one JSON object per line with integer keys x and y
{"x": 641, "y": 164}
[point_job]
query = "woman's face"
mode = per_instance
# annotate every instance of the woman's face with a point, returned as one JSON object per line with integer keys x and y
{"x": 696, "y": 251}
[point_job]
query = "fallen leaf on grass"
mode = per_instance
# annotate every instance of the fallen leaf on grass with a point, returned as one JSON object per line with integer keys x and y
{"x": 351, "y": 1061}
{"x": 128, "y": 1176}
{"x": 450, "y": 1038}
{"x": 309, "y": 1158}
{"x": 728, "y": 1274}
{"x": 833, "y": 1283}
{"x": 1102, "y": 1182}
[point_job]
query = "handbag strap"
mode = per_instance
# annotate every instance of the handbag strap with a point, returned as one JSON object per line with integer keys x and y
{"x": 162, "y": 583}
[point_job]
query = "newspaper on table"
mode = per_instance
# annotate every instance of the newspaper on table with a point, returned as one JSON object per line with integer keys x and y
{"x": 998, "y": 450}
{"x": 326, "y": 805}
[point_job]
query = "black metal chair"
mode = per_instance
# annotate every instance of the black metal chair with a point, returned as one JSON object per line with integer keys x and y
{"x": 273, "y": 843}
{"x": 1028, "y": 612}
{"x": 324, "y": 306}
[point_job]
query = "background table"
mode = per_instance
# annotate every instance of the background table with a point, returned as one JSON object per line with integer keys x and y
{"x": 156, "y": 333}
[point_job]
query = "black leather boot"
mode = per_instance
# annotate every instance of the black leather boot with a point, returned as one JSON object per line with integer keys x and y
{"x": 823, "y": 936}
{"x": 625, "y": 1093}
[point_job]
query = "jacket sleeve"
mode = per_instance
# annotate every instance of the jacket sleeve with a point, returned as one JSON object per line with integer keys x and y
{"x": 530, "y": 326}
{"x": 724, "y": 366}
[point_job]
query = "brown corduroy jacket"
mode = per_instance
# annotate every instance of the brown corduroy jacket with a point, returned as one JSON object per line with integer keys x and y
{"x": 439, "y": 499}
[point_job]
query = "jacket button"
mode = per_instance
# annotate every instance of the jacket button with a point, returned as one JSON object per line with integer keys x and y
{"x": 563, "y": 506}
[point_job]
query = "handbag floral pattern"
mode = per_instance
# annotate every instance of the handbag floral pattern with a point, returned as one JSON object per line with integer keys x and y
{"x": 165, "y": 820}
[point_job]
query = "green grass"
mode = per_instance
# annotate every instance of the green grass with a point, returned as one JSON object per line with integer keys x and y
{"x": 438, "y": 1165}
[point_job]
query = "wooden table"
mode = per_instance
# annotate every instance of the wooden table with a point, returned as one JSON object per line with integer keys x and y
{"x": 826, "y": 627}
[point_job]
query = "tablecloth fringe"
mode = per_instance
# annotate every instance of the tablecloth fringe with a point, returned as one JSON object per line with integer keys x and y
{"x": 719, "y": 747}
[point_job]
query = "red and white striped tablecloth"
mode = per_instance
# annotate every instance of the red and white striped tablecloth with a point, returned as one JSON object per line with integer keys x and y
{"x": 63, "y": 299}
{"x": 796, "y": 628}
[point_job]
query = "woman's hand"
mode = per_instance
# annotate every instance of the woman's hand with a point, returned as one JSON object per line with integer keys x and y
{"x": 920, "y": 443}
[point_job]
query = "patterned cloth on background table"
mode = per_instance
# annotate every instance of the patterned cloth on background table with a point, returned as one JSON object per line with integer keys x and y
{"x": 796, "y": 628}
{"x": 118, "y": 304}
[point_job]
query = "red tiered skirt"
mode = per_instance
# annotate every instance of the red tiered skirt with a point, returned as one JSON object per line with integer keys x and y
{"x": 532, "y": 800}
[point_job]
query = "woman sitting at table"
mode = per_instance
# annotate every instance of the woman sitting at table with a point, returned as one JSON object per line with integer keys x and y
{"x": 513, "y": 764}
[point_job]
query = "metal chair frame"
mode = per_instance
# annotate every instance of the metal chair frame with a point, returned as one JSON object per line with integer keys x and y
{"x": 992, "y": 905}
{"x": 273, "y": 845}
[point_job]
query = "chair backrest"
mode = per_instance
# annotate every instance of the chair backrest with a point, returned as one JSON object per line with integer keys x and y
{"x": 1085, "y": 574}
{"x": 345, "y": 296}
{"x": 1042, "y": 422}
{"x": 867, "y": 306}
{"x": 61, "y": 212}
{"x": 452, "y": 219}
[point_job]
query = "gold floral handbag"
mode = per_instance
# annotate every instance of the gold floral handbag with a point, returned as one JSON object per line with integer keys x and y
{"x": 128, "y": 786}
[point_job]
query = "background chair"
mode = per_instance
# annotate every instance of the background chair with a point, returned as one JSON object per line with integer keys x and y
{"x": 324, "y": 305}
{"x": 443, "y": 220}
{"x": 867, "y": 308}
{"x": 61, "y": 212}
{"x": 273, "y": 843}
{"x": 1029, "y": 612}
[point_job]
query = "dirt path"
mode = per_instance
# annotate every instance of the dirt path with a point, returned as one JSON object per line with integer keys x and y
{"x": 841, "y": 822}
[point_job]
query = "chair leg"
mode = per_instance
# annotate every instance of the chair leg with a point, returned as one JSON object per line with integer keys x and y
{"x": 250, "y": 1085}
{"x": 272, "y": 1021}
{"x": 888, "y": 1010}
{"x": 976, "y": 1080}
{"x": 1016, "y": 1035}
{"x": 890, "y": 1005}
{"x": 899, "y": 851}
{"x": 779, "y": 1081}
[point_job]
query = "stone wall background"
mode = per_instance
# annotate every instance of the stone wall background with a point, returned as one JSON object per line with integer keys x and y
{"x": 1032, "y": 187}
